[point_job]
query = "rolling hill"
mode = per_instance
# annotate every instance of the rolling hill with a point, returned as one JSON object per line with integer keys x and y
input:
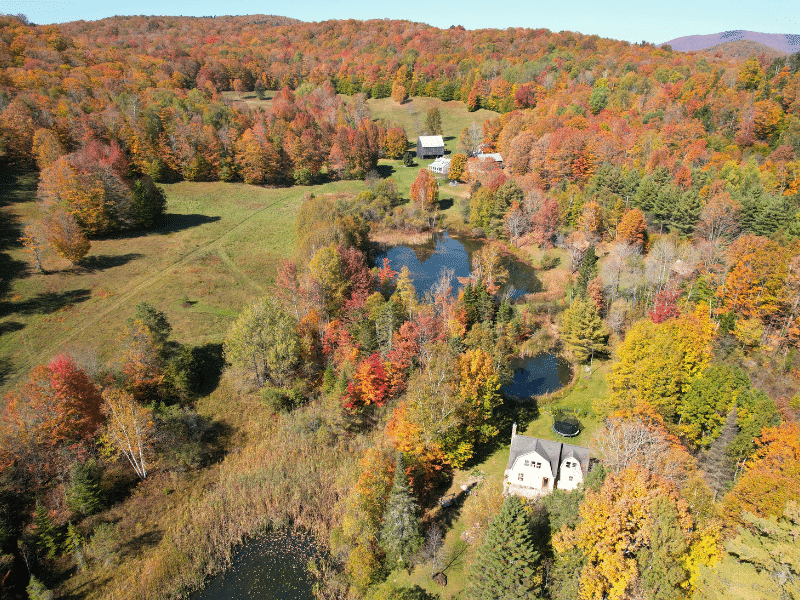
{"x": 785, "y": 42}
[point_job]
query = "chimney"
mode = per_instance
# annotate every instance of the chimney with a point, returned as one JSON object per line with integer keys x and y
{"x": 513, "y": 430}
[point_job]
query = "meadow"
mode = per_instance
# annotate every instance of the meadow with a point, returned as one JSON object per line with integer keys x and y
{"x": 215, "y": 250}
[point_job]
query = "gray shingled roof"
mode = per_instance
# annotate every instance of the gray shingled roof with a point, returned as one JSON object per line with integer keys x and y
{"x": 553, "y": 452}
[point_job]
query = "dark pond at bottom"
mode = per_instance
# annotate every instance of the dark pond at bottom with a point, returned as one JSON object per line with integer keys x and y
{"x": 538, "y": 375}
{"x": 268, "y": 567}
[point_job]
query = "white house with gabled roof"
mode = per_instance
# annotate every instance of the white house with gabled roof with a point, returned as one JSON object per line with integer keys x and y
{"x": 536, "y": 467}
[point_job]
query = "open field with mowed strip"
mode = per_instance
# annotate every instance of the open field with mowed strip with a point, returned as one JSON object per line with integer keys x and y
{"x": 215, "y": 250}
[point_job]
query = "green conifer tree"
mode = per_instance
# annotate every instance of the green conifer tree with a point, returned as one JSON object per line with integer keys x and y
{"x": 506, "y": 566}
{"x": 582, "y": 330}
{"x": 83, "y": 491}
{"x": 400, "y": 536}
{"x": 73, "y": 544}
{"x": 37, "y": 591}
{"x": 661, "y": 570}
{"x": 46, "y": 536}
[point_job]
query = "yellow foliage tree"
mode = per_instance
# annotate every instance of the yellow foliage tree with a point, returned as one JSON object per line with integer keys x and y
{"x": 655, "y": 364}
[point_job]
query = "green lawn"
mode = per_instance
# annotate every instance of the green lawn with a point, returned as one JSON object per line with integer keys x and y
{"x": 217, "y": 248}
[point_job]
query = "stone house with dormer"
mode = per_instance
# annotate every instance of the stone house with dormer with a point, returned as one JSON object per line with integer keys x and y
{"x": 536, "y": 467}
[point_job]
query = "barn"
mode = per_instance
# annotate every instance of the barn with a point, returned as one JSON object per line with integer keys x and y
{"x": 430, "y": 146}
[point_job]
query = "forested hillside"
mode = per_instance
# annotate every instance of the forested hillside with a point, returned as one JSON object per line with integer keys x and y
{"x": 654, "y": 194}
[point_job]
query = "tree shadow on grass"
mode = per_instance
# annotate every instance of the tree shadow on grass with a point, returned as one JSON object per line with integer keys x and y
{"x": 169, "y": 223}
{"x": 172, "y": 223}
{"x": 10, "y": 269}
{"x": 101, "y": 262}
{"x": 513, "y": 410}
{"x": 45, "y": 303}
{"x": 5, "y": 369}
{"x": 445, "y": 203}
{"x": 385, "y": 171}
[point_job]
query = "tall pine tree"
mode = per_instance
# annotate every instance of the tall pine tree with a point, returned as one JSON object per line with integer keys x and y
{"x": 400, "y": 536}
{"x": 506, "y": 565}
{"x": 582, "y": 330}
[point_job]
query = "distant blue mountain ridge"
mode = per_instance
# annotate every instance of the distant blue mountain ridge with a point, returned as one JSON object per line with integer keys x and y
{"x": 785, "y": 42}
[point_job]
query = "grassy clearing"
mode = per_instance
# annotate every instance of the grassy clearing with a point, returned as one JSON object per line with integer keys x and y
{"x": 249, "y": 99}
{"x": 217, "y": 248}
{"x": 411, "y": 116}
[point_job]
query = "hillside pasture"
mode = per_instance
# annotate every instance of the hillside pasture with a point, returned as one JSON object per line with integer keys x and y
{"x": 411, "y": 116}
{"x": 215, "y": 250}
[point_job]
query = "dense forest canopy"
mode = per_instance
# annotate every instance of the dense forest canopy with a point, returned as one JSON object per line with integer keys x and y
{"x": 658, "y": 191}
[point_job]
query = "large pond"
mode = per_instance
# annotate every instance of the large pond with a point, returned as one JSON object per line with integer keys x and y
{"x": 425, "y": 263}
{"x": 268, "y": 567}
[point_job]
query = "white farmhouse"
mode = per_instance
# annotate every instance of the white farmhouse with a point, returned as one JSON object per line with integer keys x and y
{"x": 536, "y": 467}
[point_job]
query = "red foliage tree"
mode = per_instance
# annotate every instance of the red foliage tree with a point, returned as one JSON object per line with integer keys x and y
{"x": 665, "y": 306}
{"x": 525, "y": 97}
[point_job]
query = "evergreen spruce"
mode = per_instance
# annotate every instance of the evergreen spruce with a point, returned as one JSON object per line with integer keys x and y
{"x": 83, "y": 492}
{"x": 73, "y": 544}
{"x": 588, "y": 270}
{"x": 37, "y": 591}
{"x": 400, "y": 536}
{"x": 506, "y": 565}
{"x": 505, "y": 312}
{"x": 46, "y": 536}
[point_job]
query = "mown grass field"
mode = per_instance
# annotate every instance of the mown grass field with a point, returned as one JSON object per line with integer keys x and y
{"x": 215, "y": 250}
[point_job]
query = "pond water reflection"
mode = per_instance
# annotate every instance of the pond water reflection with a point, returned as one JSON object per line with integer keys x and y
{"x": 268, "y": 567}
{"x": 426, "y": 261}
{"x": 538, "y": 375}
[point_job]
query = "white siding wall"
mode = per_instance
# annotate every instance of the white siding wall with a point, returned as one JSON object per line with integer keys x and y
{"x": 571, "y": 474}
{"x": 532, "y": 475}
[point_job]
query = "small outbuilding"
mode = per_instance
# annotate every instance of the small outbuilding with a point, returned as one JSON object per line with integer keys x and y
{"x": 430, "y": 146}
{"x": 441, "y": 166}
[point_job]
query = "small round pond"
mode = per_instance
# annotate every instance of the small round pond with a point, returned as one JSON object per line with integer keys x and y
{"x": 538, "y": 375}
{"x": 268, "y": 567}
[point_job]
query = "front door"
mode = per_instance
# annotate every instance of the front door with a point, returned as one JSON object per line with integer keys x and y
{"x": 545, "y": 482}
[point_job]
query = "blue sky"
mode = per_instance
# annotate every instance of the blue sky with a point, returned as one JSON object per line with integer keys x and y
{"x": 632, "y": 20}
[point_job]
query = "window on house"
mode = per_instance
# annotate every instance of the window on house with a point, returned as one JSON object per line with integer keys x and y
{"x": 519, "y": 477}
{"x": 568, "y": 464}
{"x": 538, "y": 465}
{"x": 527, "y": 462}
{"x": 570, "y": 477}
